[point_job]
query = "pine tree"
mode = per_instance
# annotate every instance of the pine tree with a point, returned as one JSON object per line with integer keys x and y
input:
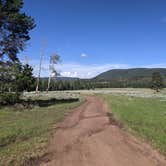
{"x": 14, "y": 28}
{"x": 14, "y": 32}
{"x": 157, "y": 81}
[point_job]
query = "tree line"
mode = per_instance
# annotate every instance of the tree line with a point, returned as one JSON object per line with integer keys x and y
{"x": 155, "y": 82}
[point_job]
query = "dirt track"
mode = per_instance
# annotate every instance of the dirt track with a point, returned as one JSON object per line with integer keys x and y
{"x": 88, "y": 137}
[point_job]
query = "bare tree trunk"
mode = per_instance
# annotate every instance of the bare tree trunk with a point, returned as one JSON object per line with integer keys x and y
{"x": 49, "y": 80}
{"x": 38, "y": 78}
{"x": 53, "y": 60}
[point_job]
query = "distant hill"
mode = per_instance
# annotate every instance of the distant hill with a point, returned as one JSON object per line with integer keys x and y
{"x": 116, "y": 78}
{"x": 141, "y": 76}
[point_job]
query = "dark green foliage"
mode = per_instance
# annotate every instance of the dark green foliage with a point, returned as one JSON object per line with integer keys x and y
{"x": 8, "y": 74}
{"x": 14, "y": 32}
{"x": 24, "y": 79}
{"x": 14, "y": 28}
{"x": 157, "y": 81}
{"x": 7, "y": 98}
{"x": 17, "y": 78}
{"x": 69, "y": 84}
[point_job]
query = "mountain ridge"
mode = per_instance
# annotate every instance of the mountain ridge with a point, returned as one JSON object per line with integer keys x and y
{"x": 133, "y": 77}
{"x": 130, "y": 73}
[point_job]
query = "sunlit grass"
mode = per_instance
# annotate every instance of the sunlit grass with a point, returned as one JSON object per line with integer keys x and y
{"x": 145, "y": 116}
{"x": 24, "y": 134}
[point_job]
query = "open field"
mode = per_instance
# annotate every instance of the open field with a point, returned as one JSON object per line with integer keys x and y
{"x": 24, "y": 133}
{"x": 145, "y": 117}
{"x": 137, "y": 92}
{"x": 51, "y": 94}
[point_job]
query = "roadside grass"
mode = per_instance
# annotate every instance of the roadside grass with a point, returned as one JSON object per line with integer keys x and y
{"x": 24, "y": 134}
{"x": 145, "y": 117}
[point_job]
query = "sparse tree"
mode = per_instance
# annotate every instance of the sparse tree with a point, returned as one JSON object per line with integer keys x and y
{"x": 54, "y": 59}
{"x": 157, "y": 81}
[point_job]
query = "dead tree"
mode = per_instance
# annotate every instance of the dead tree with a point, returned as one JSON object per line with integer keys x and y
{"x": 38, "y": 78}
{"x": 54, "y": 59}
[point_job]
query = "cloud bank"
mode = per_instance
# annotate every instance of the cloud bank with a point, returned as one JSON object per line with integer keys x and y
{"x": 82, "y": 70}
{"x": 76, "y": 69}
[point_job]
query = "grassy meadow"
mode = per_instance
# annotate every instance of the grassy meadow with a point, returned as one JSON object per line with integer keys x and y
{"x": 145, "y": 117}
{"x": 24, "y": 133}
{"x": 134, "y": 92}
{"x": 142, "y": 111}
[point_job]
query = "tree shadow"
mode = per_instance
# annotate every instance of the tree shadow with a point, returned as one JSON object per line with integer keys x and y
{"x": 47, "y": 102}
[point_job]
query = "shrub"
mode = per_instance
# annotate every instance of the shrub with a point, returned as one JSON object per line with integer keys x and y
{"x": 7, "y": 98}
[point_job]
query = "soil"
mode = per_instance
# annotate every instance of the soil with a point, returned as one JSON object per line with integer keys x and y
{"x": 90, "y": 136}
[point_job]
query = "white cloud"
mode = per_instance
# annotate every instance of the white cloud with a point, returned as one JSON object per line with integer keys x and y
{"x": 76, "y": 69}
{"x": 83, "y": 55}
{"x": 83, "y": 70}
{"x": 159, "y": 65}
{"x": 87, "y": 71}
{"x": 69, "y": 74}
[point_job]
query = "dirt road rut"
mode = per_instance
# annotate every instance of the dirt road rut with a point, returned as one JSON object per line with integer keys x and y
{"x": 88, "y": 137}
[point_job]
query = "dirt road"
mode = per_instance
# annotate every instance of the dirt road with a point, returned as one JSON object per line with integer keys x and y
{"x": 88, "y": 137}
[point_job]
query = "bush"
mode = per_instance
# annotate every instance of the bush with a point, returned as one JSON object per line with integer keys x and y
{"x": 7, "y": 98}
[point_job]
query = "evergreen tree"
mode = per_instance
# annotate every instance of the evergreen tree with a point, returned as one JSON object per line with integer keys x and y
{"x": 14, "y": 28}
{"x": 25, "y": 80}
{"x": 14, "y": 32}
{"x": 157, "y": 81}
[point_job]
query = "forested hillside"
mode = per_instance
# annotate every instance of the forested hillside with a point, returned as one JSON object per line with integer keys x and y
{"x": 136, "y": 77}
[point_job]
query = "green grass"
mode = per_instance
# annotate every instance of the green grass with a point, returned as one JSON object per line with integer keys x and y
{"x": 23, "y": 135}
{"x": 145, "y": 117}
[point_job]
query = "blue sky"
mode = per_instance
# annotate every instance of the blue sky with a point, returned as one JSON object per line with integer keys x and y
{"x": 93, "y": 36}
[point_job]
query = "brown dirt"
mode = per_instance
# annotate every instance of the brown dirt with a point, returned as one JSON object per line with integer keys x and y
{"x": 90, "y": 137}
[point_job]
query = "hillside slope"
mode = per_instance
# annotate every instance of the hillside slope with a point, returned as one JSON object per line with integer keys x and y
{"x": 139, "y": 76}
